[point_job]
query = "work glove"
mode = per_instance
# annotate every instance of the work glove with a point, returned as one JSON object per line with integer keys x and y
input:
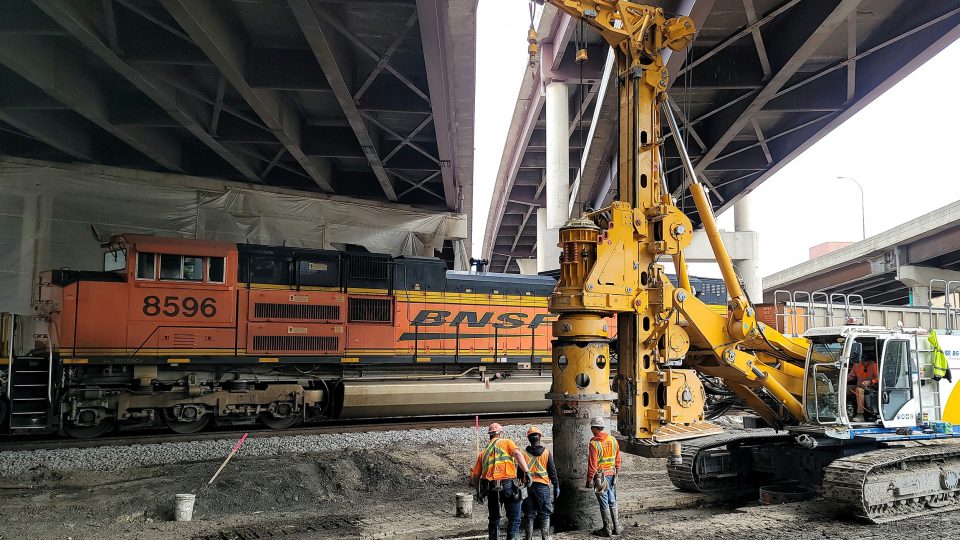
{"x": 556, "y": 492}
{"x": 527, "y": 479}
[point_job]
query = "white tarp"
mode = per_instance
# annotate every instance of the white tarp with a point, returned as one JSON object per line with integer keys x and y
{"x": 53, "y": 215}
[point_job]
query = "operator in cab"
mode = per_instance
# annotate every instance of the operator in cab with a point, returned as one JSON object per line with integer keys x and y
{"x": 603, "y": 466}
{"x": 495, "y": 475}
{"x": 864, "y": 374}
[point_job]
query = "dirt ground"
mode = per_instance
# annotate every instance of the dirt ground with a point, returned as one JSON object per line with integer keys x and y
{"x": 396, "y": 492}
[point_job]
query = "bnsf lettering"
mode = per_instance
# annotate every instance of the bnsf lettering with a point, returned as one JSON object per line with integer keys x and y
{"x": 473, "y": 320}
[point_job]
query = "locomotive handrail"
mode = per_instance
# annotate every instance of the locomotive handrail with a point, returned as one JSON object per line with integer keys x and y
{"x": 13, "y": 324}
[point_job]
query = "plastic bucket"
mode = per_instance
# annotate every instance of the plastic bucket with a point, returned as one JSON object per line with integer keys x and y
{"x": 464, "y": 505}
{"x": 183, "y": 506}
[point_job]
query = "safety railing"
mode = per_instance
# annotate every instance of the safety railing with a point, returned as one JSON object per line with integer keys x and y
{"x": 797, "y": 311}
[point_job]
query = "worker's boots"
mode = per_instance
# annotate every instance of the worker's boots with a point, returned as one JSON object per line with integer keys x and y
{"x": 493, "y": 531}
{"x": 604, "y": 532}
{"x": 545, "y": 529}
{"x": 615, "y": 520}
{"x": 527, "y": 529}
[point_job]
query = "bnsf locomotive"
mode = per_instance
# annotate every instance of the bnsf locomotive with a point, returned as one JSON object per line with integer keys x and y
{"x": 183, "y": 333}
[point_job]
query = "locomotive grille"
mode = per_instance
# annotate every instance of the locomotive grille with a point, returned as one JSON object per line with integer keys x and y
{"x": 296, "y": 343}
{"x": 369, "y": 266}
{"x": 370, "y": 310}
{"x": 263, "y": 310}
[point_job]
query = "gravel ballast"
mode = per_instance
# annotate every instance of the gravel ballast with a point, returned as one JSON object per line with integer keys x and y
{"x": 113, "y": 458}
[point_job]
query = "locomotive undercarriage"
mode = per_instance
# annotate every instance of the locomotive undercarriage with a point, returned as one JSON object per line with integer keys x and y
{"x": 94, "y": 400}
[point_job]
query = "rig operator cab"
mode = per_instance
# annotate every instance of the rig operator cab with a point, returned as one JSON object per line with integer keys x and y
{"x": 900, "y": 395}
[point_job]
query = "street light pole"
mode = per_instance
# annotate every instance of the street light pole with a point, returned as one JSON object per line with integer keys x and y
{"x": 863, "y": 213}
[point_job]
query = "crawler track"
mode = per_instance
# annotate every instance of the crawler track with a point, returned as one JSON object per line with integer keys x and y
{"x": 687, "y": 475}
{"x": 896, "y": 483}
{"x": 141, "y": 437}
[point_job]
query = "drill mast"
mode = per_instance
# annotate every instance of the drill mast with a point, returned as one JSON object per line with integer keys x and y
{"x": 610, "y": 268}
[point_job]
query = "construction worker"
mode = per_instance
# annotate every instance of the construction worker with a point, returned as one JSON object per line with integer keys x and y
{"x": 495, "y": 475}
{"x": 544, "y": 488}
{"x": 603, "y": 466}
{"x": 864, "y": 373}
{"x": 941, "y": 368}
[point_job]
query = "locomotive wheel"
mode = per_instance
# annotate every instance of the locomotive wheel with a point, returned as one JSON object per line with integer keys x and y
{"x": 186, "y": 427}
{"x": 89, "y": 432}
{"x": 273, "y": 422}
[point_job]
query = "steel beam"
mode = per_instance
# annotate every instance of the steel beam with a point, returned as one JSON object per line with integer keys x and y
{"x": 211, "y": 30}
{"x": 757, "y": 38}
{"x": 180, "y": 108}
{"x": 317, "y": 34}
{"x": 53, "y": 128}
{"x": 439, "y": 62}
{"x": 51, "y": 69}
{"x": 827, "y": 23}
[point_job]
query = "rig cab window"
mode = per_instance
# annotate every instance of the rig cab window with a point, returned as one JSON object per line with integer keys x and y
{"x": 146, "y": 266}
{"x": 181, "y": 268}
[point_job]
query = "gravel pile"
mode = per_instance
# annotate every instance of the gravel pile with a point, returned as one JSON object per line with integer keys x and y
{"x": 114, "y": 458}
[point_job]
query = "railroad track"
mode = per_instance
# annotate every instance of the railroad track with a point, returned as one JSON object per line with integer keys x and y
{"x": 49, "y": 442}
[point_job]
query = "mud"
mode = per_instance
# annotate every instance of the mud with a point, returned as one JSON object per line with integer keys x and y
{"x": 399, "y": 491}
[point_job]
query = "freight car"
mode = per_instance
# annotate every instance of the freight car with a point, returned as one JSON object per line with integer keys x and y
{"x": 183, "y": 333}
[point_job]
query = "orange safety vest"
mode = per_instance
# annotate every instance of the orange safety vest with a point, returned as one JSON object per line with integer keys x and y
{"x": 496, "y": 461}
{"x": 538, "y": 466}
{"x": 607, "y": 450}
{"x": 865, "y": 372}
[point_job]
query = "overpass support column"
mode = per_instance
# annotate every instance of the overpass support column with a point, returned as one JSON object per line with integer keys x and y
{"x": 749, "y": 268}
{"x": 917, "y": 279}
{"x": 548, "y": 240}
{"x": 558, "y": 154}
{"x": 557, "y": 177}
{"x": 528, "y": 267}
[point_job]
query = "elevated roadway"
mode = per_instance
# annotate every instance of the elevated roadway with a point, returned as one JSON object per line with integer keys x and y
{"x": 894, "y": 267}
{"x": 370, "y": 99}
{"x": 763, "y": 81}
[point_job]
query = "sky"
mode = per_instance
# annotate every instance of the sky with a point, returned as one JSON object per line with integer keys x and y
{"x": 900, "y": 148}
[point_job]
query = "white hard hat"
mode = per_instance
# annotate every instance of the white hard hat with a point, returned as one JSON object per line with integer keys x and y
{"x": 598, "y": 422}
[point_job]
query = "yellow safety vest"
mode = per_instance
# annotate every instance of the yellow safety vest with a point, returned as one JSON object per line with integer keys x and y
{"x": 606, "y": 452}
{"x": 493, "y": 455}
{"x": 940, "y": 367}
{"x": 538, "y": 466}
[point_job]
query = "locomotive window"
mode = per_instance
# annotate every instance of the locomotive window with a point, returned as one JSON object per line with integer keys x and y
{"x": 215, "y": 270}
{"x": 180, "y": 267}
{"x": 146, "y": 266}
{"x": 114, "y": 260}
{"x": 193, "y": 268}
{"x": 170, "y": 266}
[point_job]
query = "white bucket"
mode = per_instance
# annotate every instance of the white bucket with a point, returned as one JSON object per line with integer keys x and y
{"x": 183, "y": 507}
{"x": 464, "y": 505}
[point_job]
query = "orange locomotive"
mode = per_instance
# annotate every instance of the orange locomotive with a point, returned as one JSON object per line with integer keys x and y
{"x": 184, "y": 332}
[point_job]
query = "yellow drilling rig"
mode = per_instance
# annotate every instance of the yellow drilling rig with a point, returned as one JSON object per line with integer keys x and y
{"x": 667, "y": 338}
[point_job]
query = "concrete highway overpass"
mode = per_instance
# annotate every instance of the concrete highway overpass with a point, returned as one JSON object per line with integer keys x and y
{"x": 318, "y": 123}
{"x": 894, "y": 267}
{"x": 763, "y": 81}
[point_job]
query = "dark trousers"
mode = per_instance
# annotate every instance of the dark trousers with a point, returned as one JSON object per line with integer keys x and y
{"x": 509, "y": 498}
{"x": 539, "y": 502}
